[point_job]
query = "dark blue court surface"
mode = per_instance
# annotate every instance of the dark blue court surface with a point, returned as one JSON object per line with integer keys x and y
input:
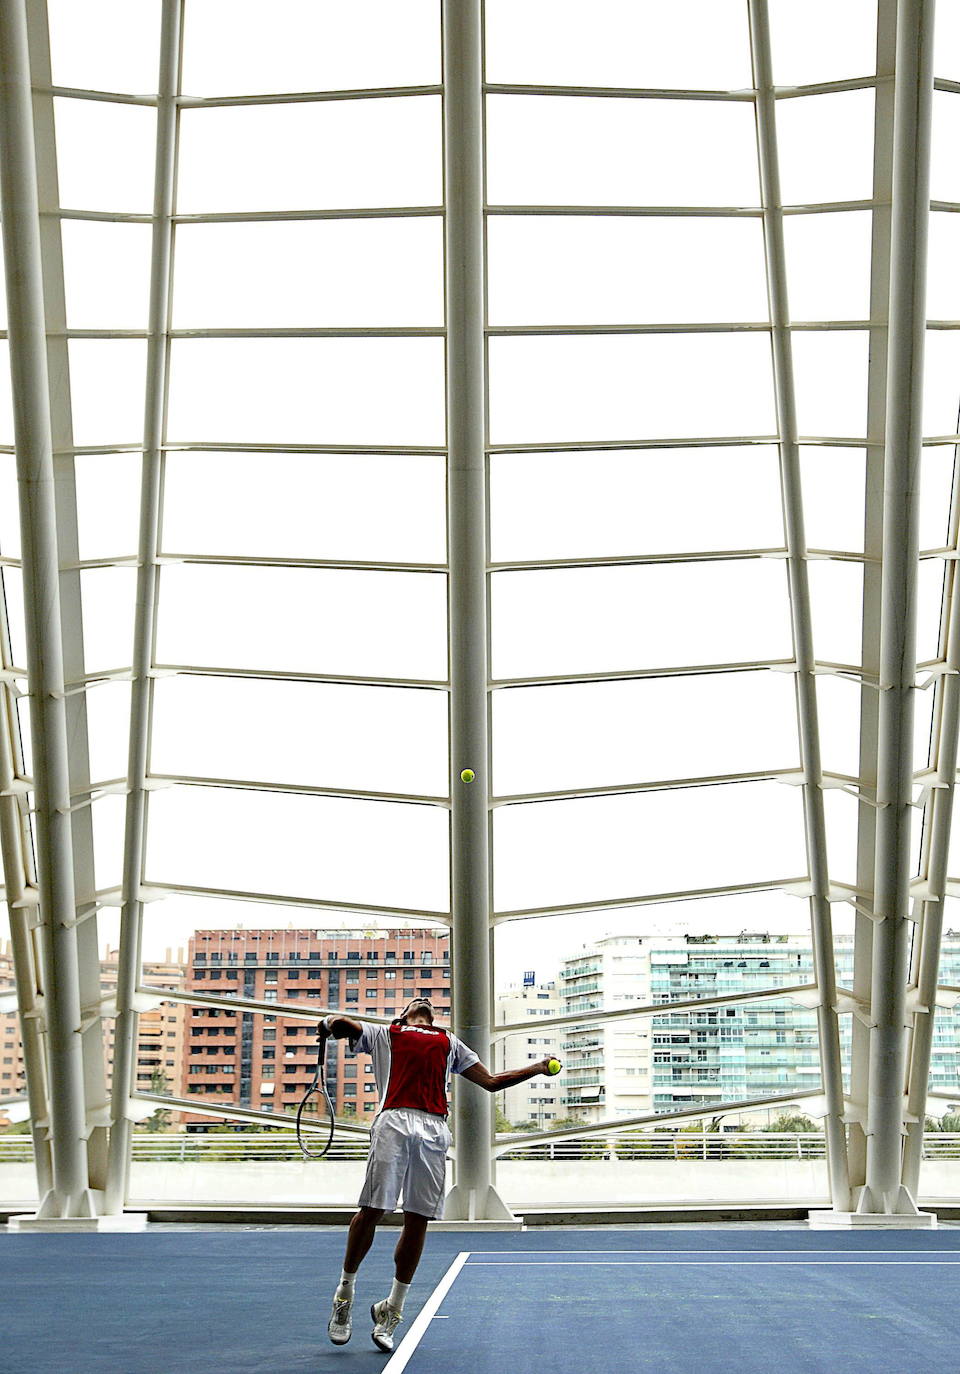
{"x": 553, "y": 1301}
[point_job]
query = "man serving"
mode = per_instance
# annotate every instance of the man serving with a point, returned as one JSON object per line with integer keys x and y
{"x": 409, "y": 1138}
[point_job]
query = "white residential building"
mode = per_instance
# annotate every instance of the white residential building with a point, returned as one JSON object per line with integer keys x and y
{"x": 607, "y": 1066}
{"x": 539, "y": 1100}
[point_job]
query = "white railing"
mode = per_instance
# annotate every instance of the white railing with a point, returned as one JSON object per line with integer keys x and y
{"x": 252, "y": 1146}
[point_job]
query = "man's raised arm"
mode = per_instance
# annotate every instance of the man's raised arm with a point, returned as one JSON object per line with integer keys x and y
{"x": 496, "y": 1082}
{"x": 342, "y": 1027}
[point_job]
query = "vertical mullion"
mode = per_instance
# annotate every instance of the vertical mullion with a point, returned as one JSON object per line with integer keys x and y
{"x": 69, "y": 1194}
{"x": 128, "y": 972}
{"x": 913, "y": 100}
{"x": 800, "y": 614}
{"x": 473, "y": 1195}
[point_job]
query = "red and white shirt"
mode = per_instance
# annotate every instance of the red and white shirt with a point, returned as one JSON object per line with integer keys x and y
{"x": 412, "y": 1064}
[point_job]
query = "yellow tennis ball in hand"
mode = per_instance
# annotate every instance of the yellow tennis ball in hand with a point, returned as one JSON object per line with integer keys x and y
{"x": 554, "y": 1066}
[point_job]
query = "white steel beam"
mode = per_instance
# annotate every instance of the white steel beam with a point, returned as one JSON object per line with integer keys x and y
{"x": 69, "y": 1194}
{"x": 800, "y": 614}
{"x": 134, "y": 845}
{"x": 913, "y": 99}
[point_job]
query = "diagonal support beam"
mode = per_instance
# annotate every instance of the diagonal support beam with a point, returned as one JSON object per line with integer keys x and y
{"x": 69, "y": 1194}
{"x": 158, "y": 353}
{"x": 800, "y": 613}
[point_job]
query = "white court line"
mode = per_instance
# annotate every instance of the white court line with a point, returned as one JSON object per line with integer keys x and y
{"x": 954, "y": 1251}
{"x": 811, "y": 1264}
{"x": 400, "y": 1357}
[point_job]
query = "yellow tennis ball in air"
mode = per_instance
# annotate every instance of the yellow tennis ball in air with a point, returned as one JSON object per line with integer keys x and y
{"x": 554, "y": 1066}
{"x": 467, "y": 775}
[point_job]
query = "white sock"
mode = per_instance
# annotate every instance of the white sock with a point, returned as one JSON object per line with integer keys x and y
{"x": 397, "y": 1294}
{"x": 345, "y": 1289}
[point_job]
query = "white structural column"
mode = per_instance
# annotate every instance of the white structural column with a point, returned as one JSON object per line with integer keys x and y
{"x": 873, "y": 549}
{"x": 800, "y": 615}
{"x": 128, "y": 973}
{"x": 69, "y": 1194}
{"x": 21, "y": 892}
{"x": 938, "y": 823}
{"x": 473, "y": 1195}
{"x": 883, "y": 1193}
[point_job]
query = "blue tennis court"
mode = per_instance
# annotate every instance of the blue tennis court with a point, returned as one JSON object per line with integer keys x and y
{"x": 179, "y": 1300}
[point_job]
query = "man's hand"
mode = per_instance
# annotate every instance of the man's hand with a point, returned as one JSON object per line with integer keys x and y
{"x": 544, "y": 1066}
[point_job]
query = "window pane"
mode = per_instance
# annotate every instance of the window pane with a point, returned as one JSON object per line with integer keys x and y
{"x": 947, "y": 35}
{"x": 108, "y": 726}
{"x": 558, "y": 390}
{"x": 362, "y": 738}
{"x": 320, "y": 621}
{"x": 309, "y": 45}
{"x": 821, "y": 41}
{"x": 575, "y": 505}
{"x": 318, "y": 273}
{"x": 618, "y": 43}
{"x": 571, "y": 851}
{"x": 838, "y": 709}
{"x": 627, "y": 732}
{"x": 826, "y": 147}
{"x": 830, "y": 372}
{"x": 833, "y": 496}
{"x": 929, "y": 604}
{"x": 836, "y": 599}
{"x": 943, "y": 290}
{"x": 330, "y": 155}
{"x": 105, "y": 45}
{"x": 301, "y": 391}
{"x": 6, "y": 400}
{"x": 941, "y": 382}
{"x": 9, "y": 514}
{"x": 578, "y": 270}
{"x": 595, "y": 619}
{"x": 109, "y": 603}
{"x": 106, "y": 271}
{"x": 565, "y": 150}
{"x": 936, "y": 483}
{"x": 300, "y": 846}
{"x": 316, "y": 505}
{"x": 944, "y": 174}
{"x": 105, "y": 155}
{"x": 828, "y": 265}
{"x": 108, "y": 503}
{"x": 107, "y": 390}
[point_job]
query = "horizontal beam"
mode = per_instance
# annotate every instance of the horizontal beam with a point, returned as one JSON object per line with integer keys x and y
{"x": 282, "y": 675}
{"x": 648, "y": 899}
{"x": 643, "y": 1010}
{"x": 301, "y": 789}
{"x": 152, "y": 890}
{"x": 640, "y": 674}
{"x": 681, "y": 211}
{"x": 629, "y": 788}
{"x": 651, "y": 1119}
{"x": 313, "y": 1013}
{"x": 231, "y": 1112}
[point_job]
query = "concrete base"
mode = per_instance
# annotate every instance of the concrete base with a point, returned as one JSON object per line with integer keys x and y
{"x": 890, "y": 1221}
{"x": 127, "y": 1221}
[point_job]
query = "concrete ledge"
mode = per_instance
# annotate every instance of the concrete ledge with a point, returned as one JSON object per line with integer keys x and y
{"x": 128, "y": 1221}
{"x": 877, "y": 1221}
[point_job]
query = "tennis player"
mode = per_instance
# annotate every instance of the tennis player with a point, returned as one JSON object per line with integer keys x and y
{"x": 409, "y": 1138}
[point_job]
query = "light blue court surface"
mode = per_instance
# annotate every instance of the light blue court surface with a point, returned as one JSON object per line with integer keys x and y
{"x": 677, "y": 1300}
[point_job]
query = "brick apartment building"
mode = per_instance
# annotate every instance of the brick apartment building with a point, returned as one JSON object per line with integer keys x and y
{"x": 13, "y": 1082}
{"x": 160, "y": 1034}
{"x": 160, "y": 1031}
{"x": 264, "y": 1062}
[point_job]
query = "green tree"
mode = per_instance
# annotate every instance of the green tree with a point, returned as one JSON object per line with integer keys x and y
{"x": 161, "y": 1117}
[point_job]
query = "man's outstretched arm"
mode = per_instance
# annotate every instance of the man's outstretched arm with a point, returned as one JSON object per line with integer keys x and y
{"x": 496, "y": 1082}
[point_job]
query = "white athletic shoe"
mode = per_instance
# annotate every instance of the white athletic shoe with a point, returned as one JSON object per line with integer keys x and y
{"x": 386, "y": 1319}
{"x": 340, "y": 1327}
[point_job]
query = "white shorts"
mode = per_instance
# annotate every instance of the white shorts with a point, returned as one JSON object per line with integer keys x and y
{"x": 408, "y": 1157}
